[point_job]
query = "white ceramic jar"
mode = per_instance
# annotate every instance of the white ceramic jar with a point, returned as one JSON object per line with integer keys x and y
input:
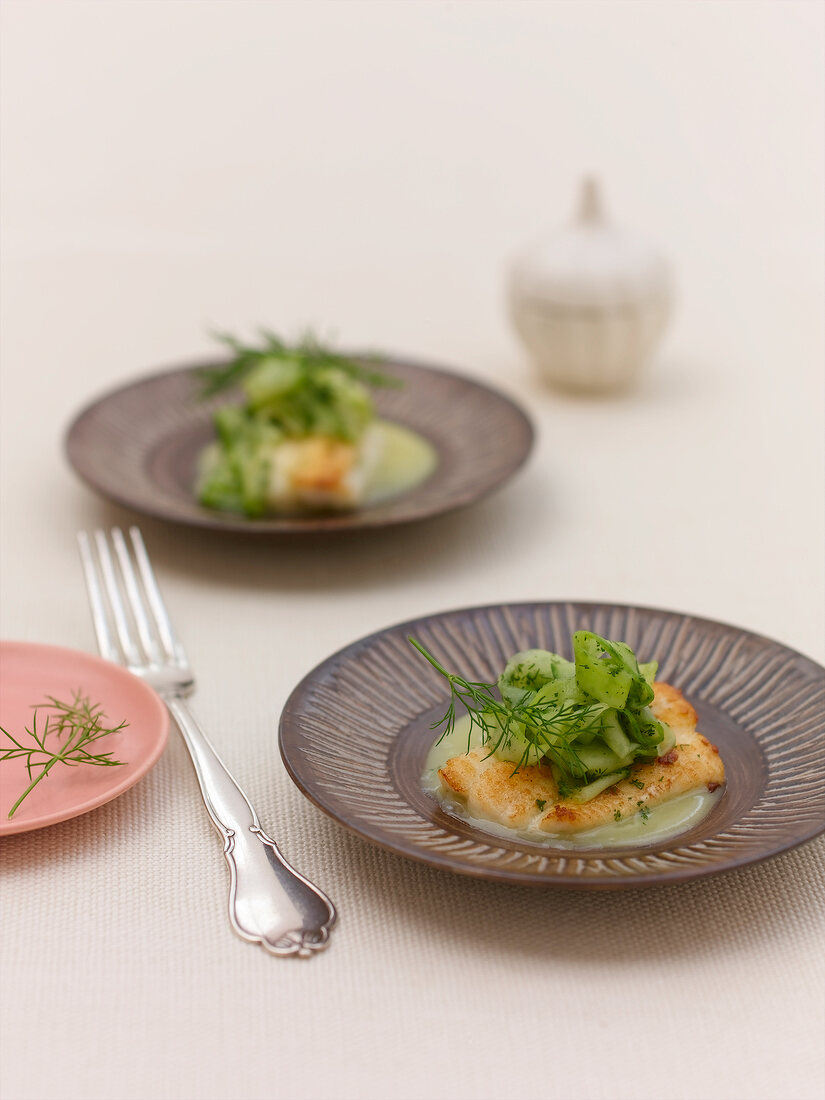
{"x": 590, "y": 303}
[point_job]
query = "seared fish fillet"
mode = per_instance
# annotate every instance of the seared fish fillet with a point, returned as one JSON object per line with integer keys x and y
{"x": 491, "y": 791}
{"x": 322, "y": 472}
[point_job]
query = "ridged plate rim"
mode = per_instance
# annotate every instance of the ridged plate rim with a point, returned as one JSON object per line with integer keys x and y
{"x": 122, "y": 445}
{"x": 341, "y": 700}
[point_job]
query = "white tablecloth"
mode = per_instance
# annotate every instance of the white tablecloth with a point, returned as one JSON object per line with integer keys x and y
{"x": 369, "y": 169}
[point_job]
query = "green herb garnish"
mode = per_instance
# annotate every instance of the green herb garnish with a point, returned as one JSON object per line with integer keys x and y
{"x": 305, "y": 358}
{"x": 75, "y": 725}
{"x": 588, "y": 719}
{"x": 291, "y": 392}
{"x": 529, "y": 727}
{"x": 541, "y": 803}
{"x": 617, "y": 815}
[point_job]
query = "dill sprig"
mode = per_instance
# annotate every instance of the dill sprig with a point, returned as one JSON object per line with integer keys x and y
{"x": 548, "y": 728}
{"x": 308, "y": 353}
{"x": 76, "y": 725}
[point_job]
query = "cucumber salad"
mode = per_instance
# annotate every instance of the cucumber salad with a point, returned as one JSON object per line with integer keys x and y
{"x": 589, "y": 719}
{"x": 305, "y": 434}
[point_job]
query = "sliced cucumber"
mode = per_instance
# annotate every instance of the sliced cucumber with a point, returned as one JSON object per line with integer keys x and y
{"x": 600, "y": 670}
{"x": 530, "y": 669}
{"x": 511, "y": 744}
{"x": 599, "y": 758}
{"x": 651, "y": 727}
{"x": 512, "y": 695}
{"x": 649, "y": 669}
{"x": 562, "y": 691}
{"x": 614, "y": 736}
{"x": 586, "y": 794}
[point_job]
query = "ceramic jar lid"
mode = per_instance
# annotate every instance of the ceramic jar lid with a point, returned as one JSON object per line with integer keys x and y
{"x": 591, "y": 263}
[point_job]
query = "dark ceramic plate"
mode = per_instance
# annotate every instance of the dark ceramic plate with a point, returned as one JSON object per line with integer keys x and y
{"x": 356, "y": 731}
{"x": 139, "y": 446}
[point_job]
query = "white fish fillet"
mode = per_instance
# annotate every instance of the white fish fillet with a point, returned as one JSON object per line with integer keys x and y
{"x": 530, "y": 798}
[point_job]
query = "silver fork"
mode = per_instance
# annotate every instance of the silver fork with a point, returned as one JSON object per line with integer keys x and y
{"x": 269, "y": 902}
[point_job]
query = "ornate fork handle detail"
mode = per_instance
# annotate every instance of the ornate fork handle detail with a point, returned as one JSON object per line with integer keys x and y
{"x": 269, "y": 901}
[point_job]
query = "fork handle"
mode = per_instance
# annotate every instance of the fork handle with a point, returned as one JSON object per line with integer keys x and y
{"x": 269, "y": 902}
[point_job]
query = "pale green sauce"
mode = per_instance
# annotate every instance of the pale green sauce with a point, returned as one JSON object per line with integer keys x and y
{"x": 400, "y": 457}
{"x": 664, "y": 821}
{"x": 406, "y": 460}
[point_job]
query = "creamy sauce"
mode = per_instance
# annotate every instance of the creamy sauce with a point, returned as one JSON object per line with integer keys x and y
{"x": 665, "y": 820}
{"x": 393, "y": 460}
{"x": 406, "y": 460}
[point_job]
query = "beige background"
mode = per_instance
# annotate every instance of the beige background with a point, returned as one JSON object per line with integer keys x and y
{"x": 369, "y": 168}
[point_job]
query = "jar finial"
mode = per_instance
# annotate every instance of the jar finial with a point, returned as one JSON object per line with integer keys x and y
{"x": 590, "y": 209}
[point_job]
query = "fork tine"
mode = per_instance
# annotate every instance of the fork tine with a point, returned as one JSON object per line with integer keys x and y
{"x": 107, "y": 567}
{"x": 105, "y": 642}
{"x": 150, "y": 586}
{"x": 133, "y": 595}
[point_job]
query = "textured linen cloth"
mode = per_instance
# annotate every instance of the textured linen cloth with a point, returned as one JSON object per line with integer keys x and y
{"x": 369, "y": 168}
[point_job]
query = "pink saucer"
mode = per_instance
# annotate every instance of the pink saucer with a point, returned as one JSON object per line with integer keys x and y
{"x": 28, "y": 673}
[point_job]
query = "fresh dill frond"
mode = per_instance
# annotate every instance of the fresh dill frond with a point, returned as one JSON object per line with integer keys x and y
{"x": 75, "y": 725}
{"x": 546, "y": 728}
{"x": 308, "y": 354}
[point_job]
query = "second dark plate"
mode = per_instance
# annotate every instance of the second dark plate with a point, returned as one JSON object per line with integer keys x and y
{"x": 139, "y": 444}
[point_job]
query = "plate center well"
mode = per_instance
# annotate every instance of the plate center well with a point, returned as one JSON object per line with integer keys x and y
{"x": 745, "y": 766}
